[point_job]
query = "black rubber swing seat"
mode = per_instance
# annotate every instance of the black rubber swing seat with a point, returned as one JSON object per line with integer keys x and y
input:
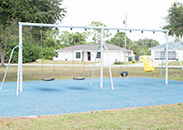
{"x": 79, "y": 78}
{"x": 124, "y": 73}
{"x": 48, "y": 79}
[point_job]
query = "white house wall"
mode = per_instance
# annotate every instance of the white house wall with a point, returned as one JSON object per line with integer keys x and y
{"x": 180, "y": 54}
{"x": 63, "y": 56}
{"x": 113, "y": 56}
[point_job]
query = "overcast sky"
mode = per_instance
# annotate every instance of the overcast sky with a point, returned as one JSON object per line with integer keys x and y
{"x": 146, "y": 14}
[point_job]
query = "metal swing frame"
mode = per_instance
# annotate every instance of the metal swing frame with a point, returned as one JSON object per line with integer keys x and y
{"x": 20, "y": 67}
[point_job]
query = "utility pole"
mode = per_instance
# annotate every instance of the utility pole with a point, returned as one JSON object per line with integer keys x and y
{"x": 125, "y": 22}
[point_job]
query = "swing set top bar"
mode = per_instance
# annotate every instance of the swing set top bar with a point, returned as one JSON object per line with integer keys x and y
{"x": 87, "y": 27}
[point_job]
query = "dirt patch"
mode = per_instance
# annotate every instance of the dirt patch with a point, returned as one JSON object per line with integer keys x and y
{"x": 4, "y": 120}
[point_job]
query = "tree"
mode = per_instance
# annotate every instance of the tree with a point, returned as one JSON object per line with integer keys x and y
{"x": 175, "y": 20}
{"x": 51, "y": 37}
{"x": 78, "y": 38}
{"x": 30, "y": 53}
{"x": 35, "y": 11}
{"x": 69, "y": 39}
{"x": 119, "y": 40}
{"x": 39, "y": 11}
{"x": 141, "y": 47}
{"x": 95, "y": 34}
{"x": 64, "y": 38}
{"x": 7, "y": 34}
{"x": 52, "y": 42}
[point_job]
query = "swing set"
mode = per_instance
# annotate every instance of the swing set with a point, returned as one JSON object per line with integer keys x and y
{"x": 101, "y": 46}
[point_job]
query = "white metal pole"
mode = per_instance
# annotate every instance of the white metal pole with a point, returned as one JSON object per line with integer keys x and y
{"x": 101, "y": 62}
{"x": 8, "y": 67}
{"x": 109, "y": 67}
{"x": 94, "y": 66}
{"x": 105, "y": 28}
{"x": 166, "y": 69}
{"x": 125, "y": 37}
{"x": 19, "y": 58}
{"x": 18, "y": 74}
{"x": 21, "y": 70}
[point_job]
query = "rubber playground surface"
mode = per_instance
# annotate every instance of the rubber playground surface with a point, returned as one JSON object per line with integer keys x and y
{"x": 73, "y": 96}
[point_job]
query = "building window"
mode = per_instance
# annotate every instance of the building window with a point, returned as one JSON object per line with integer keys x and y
{"x": 171, "y": 55}
{"x": 78, "y": 55}
{"x": 159, "y": 55}
{"x": 98, "y": 54}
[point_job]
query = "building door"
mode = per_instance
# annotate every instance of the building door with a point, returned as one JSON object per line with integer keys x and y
{"x": 89, "y": 56}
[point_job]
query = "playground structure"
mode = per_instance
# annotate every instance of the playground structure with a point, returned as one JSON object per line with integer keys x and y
{"x": 102, "y": 46}
{"x": 147, "y": 64}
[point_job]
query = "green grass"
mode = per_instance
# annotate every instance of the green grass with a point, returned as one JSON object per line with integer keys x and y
{"x": 156, "y": 117}
{"x": 174, "y": 63}
{"x": 128, "y": 63}
{"x": 66, "y": 72}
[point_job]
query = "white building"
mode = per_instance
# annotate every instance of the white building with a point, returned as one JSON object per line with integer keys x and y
{"x": 157, "y": 51}
{"x": 88, "y": 53}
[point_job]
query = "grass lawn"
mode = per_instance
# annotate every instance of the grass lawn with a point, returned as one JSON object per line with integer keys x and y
{"x": 128, "y": 63}
{"x": 154, "y": 117}
{"x": 66, "y": 72}
{"x": 174, "y": 63}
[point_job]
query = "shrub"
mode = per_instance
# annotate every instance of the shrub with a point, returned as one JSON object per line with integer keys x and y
{"x": 118, "y": 63}
{"x": 48, "y": 53}
{"x": 133, "y": 61}
{"x": 30, "y": 52}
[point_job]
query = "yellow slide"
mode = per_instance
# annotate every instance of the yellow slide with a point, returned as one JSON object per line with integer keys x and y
{"x": 147, "y": 64}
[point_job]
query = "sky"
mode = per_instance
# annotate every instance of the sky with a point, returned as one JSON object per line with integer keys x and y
{"x": 141, "y": 14}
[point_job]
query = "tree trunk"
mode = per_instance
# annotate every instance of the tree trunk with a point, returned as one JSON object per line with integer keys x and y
{"x": 2, "y": 60}
{"x": 1, "y": 52}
